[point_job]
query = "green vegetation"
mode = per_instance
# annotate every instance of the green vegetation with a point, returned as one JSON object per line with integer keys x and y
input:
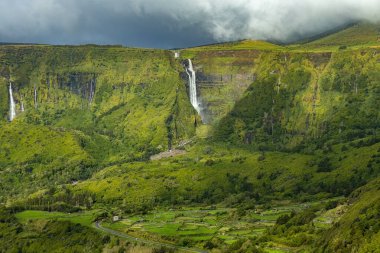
{"x": 85, "y": 219}
{"x": 47, "y": 236}
{"x": 359, "y": 227}
{"x": 289, "y": 160}
{"x": 358, "y": 36}
{"x": 192, "y": 226}
{"x": 301, "y": 102}
{"x": 234, "y": 46}
{"x": 84, "y": 116}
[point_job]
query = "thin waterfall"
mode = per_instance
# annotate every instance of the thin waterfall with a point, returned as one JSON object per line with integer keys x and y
{"x": 12, "y": 105}
{"x": 35, "y": 97}
{"x": 92, "y": 90}
{"x": 22, "y": 106}
{"x": 193, "y": 87}
{"x": 90, "y": 96}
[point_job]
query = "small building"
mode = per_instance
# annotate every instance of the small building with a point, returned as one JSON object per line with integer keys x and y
{"x": 176, "y": 54}
{"x": 115, "y": 218}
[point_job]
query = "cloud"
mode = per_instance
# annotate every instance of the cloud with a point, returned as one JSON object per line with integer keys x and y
{"x": 174, "y": 23}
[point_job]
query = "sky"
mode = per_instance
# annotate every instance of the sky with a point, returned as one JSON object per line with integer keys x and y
{"x": 175, "y": 23}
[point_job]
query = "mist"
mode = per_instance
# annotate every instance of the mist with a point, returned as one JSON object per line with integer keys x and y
{"x": 175, "y": 23}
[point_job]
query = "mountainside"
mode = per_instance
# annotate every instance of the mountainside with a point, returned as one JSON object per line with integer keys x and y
{"x": 360, "y": 35}
{"x": 359, "y": 228}
{"x": 284, "y": 154}
{"x": 80, "y": 108}
{"x": 303, "y": 100}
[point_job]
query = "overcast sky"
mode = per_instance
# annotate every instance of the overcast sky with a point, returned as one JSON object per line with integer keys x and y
{"x": 174, "y": 23}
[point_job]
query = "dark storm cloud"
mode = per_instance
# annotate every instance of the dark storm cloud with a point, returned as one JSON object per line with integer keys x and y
{"x": 174, "y": 23}
{"x": 88, "y": 21}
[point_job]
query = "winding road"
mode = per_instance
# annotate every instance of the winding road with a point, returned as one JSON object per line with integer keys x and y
{"x": 98, "y": 226}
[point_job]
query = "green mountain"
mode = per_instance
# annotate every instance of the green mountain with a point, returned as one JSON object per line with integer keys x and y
{"x": 80, "y": 109}
{"x": 283, "y": 156}
{"x": 356, "y": 36}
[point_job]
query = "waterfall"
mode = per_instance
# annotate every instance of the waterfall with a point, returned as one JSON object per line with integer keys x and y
{"x": 35, "y": 97}
{"x": 12, "y": 105}
{"x": 92, "y": 90}
{"x": 22, "y": 106}
{"x": 192, "y": 87}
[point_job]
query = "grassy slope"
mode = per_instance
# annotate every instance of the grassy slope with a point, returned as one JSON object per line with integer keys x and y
{"x": 234, "y": 46}
{"x": 85, "y": 219}
{"x": 211, "y": 174}
{"x": 32, "y": 156}
{"x": 358, "y": 230}
{"x": 358, "y": 36}
{"x": 47, "y": 236}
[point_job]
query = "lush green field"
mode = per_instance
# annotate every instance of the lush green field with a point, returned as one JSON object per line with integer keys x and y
{"x": 85, "y": 218}
{"x": 200, "y": 226}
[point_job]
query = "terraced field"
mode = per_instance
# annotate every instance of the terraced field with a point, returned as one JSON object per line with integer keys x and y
{"x": 194, "y": 226}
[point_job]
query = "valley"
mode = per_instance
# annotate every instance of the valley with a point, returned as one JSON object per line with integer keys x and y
{"x": 190, "y": 227}
{"x": 245, "y": 146}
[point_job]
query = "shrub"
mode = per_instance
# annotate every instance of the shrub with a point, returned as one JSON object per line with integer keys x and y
{"x": 163, "y": 249}
{"x": 325, "y": 165}
{"x": 209, "y": 245}
{"x": 343, "y": 47}
{"x": 283, "y": 219}
{"x": 331, "y": 205}
{"x": 106, "y": 239}
{"x": 208, "y": 150}
{"x": 261, "y": 158}
{"x": 209, "y": 162}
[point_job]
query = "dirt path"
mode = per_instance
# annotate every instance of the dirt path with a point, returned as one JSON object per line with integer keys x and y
{"x": 166, "y": 154}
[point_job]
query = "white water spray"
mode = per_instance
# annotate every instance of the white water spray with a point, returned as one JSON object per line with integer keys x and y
{"x": 193, "y": 87}
{"x": 12, "y": 105}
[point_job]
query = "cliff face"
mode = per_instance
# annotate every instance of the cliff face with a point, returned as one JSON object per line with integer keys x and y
{"x": 289, "y": 100}
{"x": 222, "y": 79}
{"x": 122, "y": 93}
{"x": 140, "y": 97}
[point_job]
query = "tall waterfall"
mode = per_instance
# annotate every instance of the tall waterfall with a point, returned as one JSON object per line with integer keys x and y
{"x": 193, "y": 87}
{"x": 12, "y": 105}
